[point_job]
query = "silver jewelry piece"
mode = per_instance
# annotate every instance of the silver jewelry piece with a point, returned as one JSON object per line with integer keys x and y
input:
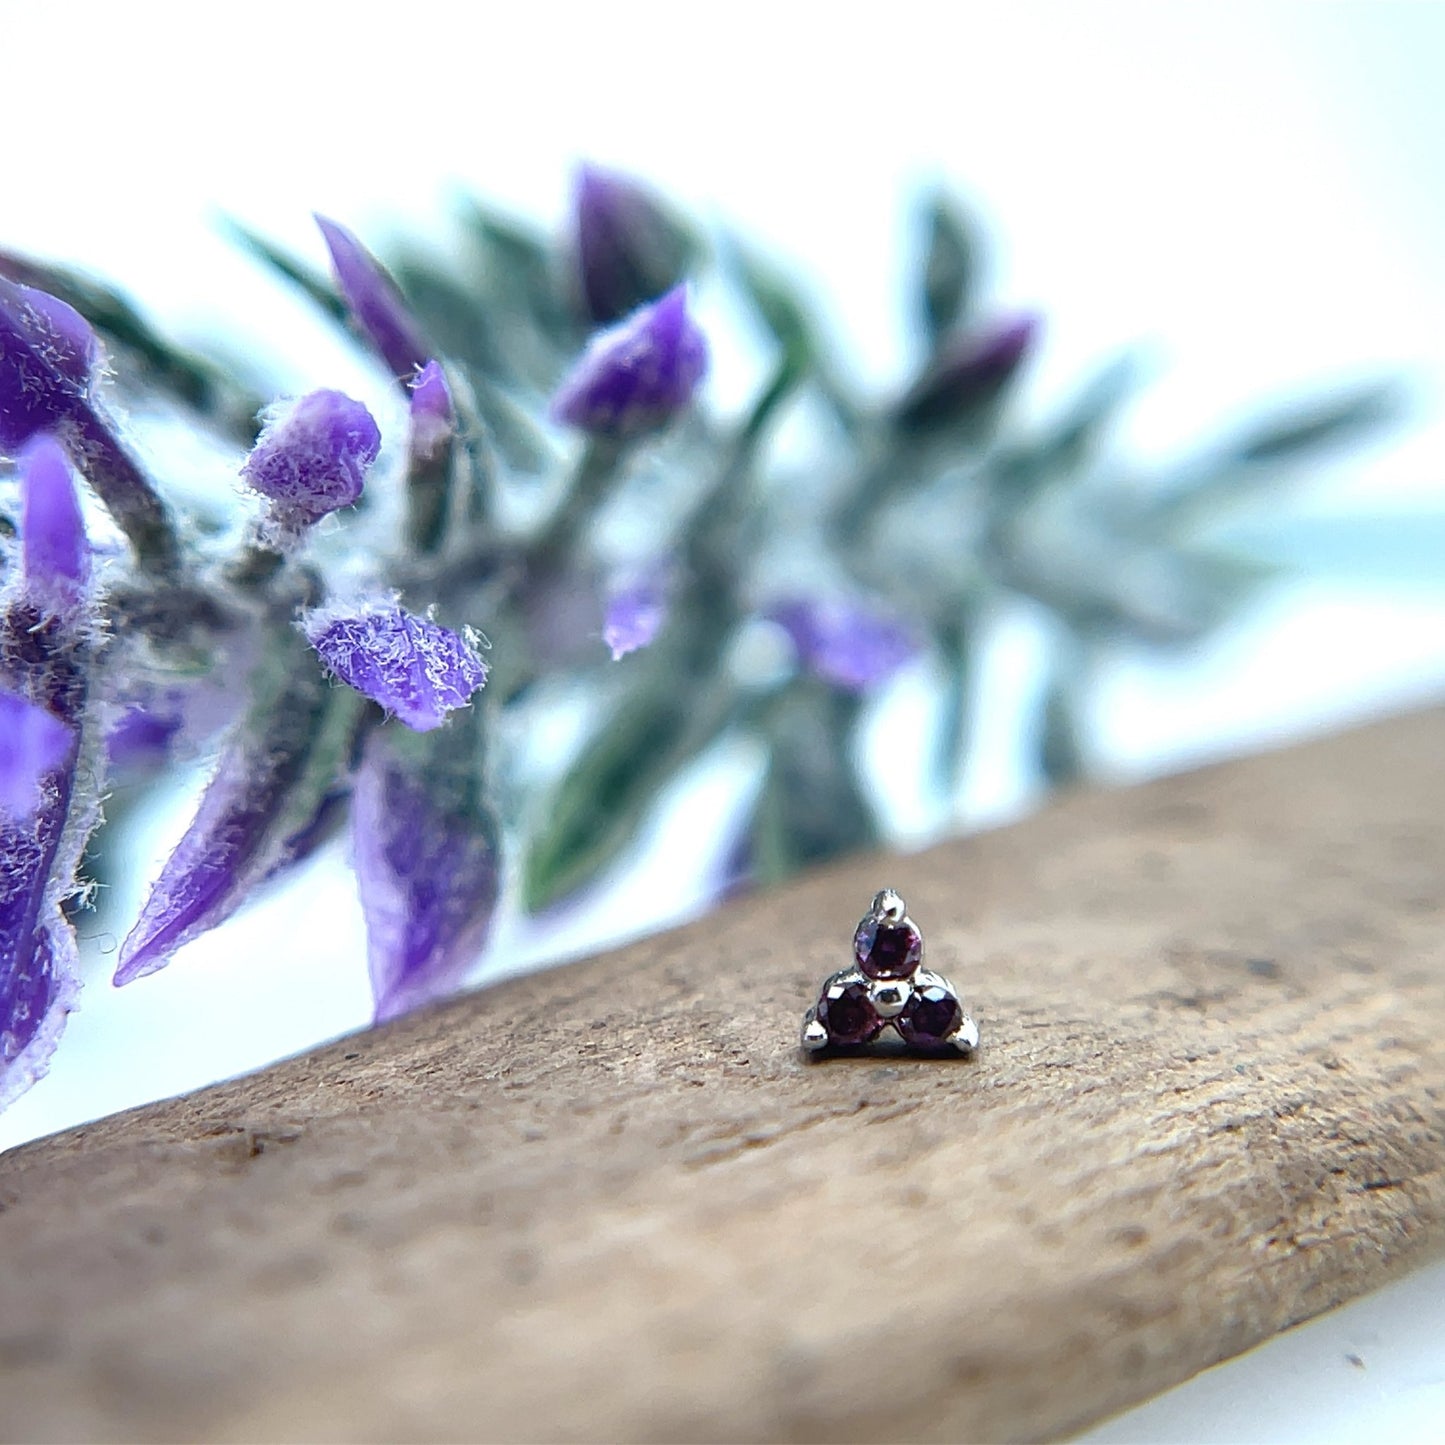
{"x": 888, "y": 987}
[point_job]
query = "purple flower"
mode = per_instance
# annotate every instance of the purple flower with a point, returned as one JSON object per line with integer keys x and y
{"x": 375, "y": 302}
{"x": 970, "y": 370}
{"x": 433, "y": 417}
{"x": 412, "y": 666}
{"x": 847, "y": 645}
{"x": 274, "y": 768}
{"x": 42, "y": 832}
{"x": 33, "y": 744}
{"x": 638, "y": 375}
{"x": 311, "y": 459}
{"x": 429, "y": 458}
{"x": 55, "y": 555}
{"x": 39, "y": 961}
{"x": 48, "y": 357}
{"x": 48, "y": 362}
{"x": 635, "y": 613}
{"x": 425, "y": 847}
{"x": 629, "y": 250}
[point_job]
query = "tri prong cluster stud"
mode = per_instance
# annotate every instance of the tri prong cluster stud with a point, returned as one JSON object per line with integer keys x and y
{"x": 888, "y": 987}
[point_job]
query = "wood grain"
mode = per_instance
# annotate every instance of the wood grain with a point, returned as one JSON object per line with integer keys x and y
{"x": 613, "y": 1202}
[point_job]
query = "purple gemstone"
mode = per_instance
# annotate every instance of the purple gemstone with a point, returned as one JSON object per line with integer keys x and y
{"x": 929, "y": 1017}
{"x": 887, "y": 950}
{"x": 844, "y": 1010}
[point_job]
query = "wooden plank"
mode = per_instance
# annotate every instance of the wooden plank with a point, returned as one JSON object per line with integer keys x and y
{"x": 614, "y": 1202}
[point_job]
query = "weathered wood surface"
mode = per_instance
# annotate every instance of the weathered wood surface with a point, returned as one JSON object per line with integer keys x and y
{"x": 613, "y": 1203}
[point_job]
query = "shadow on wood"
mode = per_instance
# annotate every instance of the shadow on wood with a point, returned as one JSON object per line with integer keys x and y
{"x": 614, "y": 1202}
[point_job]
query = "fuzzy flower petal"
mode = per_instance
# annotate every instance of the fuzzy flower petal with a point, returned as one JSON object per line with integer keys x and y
{"x": 412, "y": 666}
{"x": 638, "y": 375}
{"x": 375, "y": 302}
{"x": 239, "y": 829}
{"x": 33, "y": 744}
{"x": 55, "y": 555}
{"x": 48, "y": 361}
{"x": 39, "y": 962}
{"x": 433, "y": 417}
{"x": 629, "y": 250}
{"x": 849, "y": 646}
{"x": 48, "y": 356}
{"x": 425, "y": 850}
{"x": 312, "y": 458}
{"x": 635, "y": 614}
{"x": 970, "y": 370}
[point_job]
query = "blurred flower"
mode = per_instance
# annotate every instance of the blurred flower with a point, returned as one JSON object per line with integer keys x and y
{"x": 55, "y": 555}
{"x": 311, "y": 459}
{"x": 375, "y": 302}
{"x": 968, "y": 372}
{"x": 410, "y": 665}
{"x": 629, "y": 249}
{"x": 433, "y": 417}
{"x": 48, "y": 355}
{"x": 635, "y": 613}
{"x": 849, "y": 646}
{"x": 426, "y": 858}
{"x": 638, "y": 375}
{"x": 49, "y": 359}
{"x": 33, "y": 743}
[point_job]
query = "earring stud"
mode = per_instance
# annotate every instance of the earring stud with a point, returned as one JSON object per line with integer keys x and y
{"x": 888, "y": 987}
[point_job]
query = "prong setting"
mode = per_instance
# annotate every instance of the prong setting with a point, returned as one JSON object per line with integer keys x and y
{"x": 965, "y": 1037}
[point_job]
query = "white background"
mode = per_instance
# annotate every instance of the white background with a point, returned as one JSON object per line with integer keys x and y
{"x": 1252, "y": 190}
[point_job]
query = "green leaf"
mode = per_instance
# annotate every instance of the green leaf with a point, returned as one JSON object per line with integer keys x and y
{"x": 950, "y": 266}
{"x": 311, "y": 282}
{"x": 1319, "y": 424}
{"x": 1060, "y": 734}
{"x": 1269, "y": 455}
{"x": 1069, "y": 441}
{"x": 596, "y": 811}
{"x": 775, "y": 301}
{"x": 811, "y": 809}
{"x": 956, "y": 646}
{"x": 520, "y": 270}
{"x": 452, "y": 316}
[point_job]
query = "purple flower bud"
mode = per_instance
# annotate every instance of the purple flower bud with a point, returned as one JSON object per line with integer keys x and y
{"x": 638, "y": 375}
{"x": 635, "y": 613}
{"x": 48, "y": 361}
{"x": 433, "y": 417}
{"x": 33, "y": 744}
{"x": 311, "y": 459}
{"x": 970, "y": 370}
{"x": 375, "y": 302}
{"x": 425, "y": 849}
{"x": 410, "y": 665}
{"x": 48, "y": 356}
{"x": 629, "y": 250}
{"x": 39, "y": 963}
{"x": 272, "y": 768}
{"x": 846, "y": 645}
{"x": 55, "y": 555}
